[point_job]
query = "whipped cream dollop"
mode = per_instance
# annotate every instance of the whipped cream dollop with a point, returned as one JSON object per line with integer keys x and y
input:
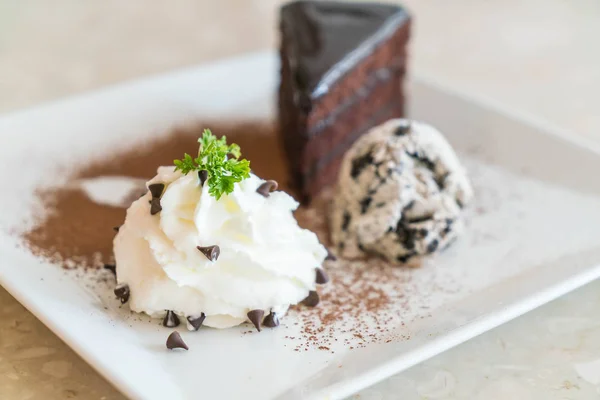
{"x": 265, "y": 261}
{"x": 400, "y": 193}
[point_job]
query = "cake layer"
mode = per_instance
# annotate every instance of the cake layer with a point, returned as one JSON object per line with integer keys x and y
{"x": 343, "y": 125}
{"x": 342, "y": 67}
{"x": 292, "y": 126}
{"x": 340, "y": 135}
{"x": 323, "y": 153}
{"x": 328, "y": 172}
{"x": 380, "y": 76}
{"x": 321, "y": 129}
{"x": 390, "y": 55}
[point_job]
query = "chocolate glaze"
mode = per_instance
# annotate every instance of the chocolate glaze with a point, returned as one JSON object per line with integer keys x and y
{"x": 332, "y": 38}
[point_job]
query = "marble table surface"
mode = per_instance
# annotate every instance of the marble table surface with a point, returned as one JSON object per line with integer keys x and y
{"x": 539, "y": 56}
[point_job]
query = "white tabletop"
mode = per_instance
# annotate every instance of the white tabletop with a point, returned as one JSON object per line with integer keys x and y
{"x": 540, "y": 56}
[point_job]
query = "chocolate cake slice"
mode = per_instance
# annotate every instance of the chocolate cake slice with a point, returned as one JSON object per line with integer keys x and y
{"x": 342, "y": 69}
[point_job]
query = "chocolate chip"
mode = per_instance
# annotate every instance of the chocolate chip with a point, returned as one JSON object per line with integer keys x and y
{"x": 322, "y": 276}
{"x": 312, "y": 299}
{"x": 421, "y": 233}
{"x": 271, "y": 320}
{"x": 196, "y": 322}
{"x": 404, "y": 257}
{"x": 155, "y": 206}
{"x": 202, "y": 176}
{"x": 422, "y": 159}
{"x": 448, "y": 228}
{"x": 174, "y": 341}
{"x": 346, "y": 220}
{"x": 330, "y": 256}
{"x": 112, "y": 268}
{"x": 431, "y": 247}
{"x": 406, "y": 235}
{"x": 302, "y": 99}
{"x": 418, "y": 219}
{"x": 364, "y": 204}
{"x": 256, "y": 316}
{"x": 116, "y": 228}
{"x": 156, "y": 189}
{"x": 360, "y": 163}
{"x": 211, "y": 252}
{"x": 265, "y": 188}
{"x": 440, "y": 180}
{"x": 403, "y": 129}
{"x": 122, "y": 292}
{"x": 171, "y": 320}
{"x": 380, "y": 204}
{"x": 409, "y": 205}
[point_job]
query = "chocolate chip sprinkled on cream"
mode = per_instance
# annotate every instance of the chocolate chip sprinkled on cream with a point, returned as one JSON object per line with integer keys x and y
{"x": 346, "y": 220}
{"x": 155, "y": 206}
{"x": 365, "y": 203}
{"x": 431, "y": 247}
{"x": 175, "y": 341}
{"x": 122, "y": 292}
{"x": 271, "y": 320}
{"x": 360, "y": 164}
{"x": 322, "y": 276}
{"x": 256, "y": 316}
{"x": 196, "y": 322}
{"x": 403, "y": 129}
{"x": 330, "y": 256}
{"x": 171, "y": 319}
{"x": 112, "y": 268}
{"x": 265, "y": 188}
{"x": 211, "y": 252}
{"x": 312, "y": 299}
{"x": 156, "y": 189}
{"x": 202, "y": 176}
{"x": 403, "y": 259}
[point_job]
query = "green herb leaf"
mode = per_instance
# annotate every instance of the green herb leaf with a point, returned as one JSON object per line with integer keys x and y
{"x": 186, "y": 165}
{"x": 220, "y": 160}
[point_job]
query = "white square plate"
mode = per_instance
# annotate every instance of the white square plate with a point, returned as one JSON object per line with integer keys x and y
{"x": 538, "y": 238}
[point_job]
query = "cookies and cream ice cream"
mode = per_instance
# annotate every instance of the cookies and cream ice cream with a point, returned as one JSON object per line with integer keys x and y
{"x": 400, "y": 193}
{"x": 183, "y": 253}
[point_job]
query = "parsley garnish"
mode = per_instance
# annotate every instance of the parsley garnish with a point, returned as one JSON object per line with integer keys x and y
{"x": 220, "y": 160}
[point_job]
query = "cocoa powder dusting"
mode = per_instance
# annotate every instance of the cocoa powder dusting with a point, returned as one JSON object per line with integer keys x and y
{"x": 75, "y": 231}
{"x": 363, "y": 302}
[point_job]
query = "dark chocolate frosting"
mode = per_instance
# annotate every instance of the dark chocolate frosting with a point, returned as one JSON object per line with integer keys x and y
{"x": 326, "y": 39}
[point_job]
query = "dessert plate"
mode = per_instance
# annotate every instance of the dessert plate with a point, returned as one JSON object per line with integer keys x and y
{"x": 534, "y": 235}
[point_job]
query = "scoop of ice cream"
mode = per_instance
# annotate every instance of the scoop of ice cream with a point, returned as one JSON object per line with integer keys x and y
{"x": 400, "y": 192}
{"x": 165, "y": 251}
